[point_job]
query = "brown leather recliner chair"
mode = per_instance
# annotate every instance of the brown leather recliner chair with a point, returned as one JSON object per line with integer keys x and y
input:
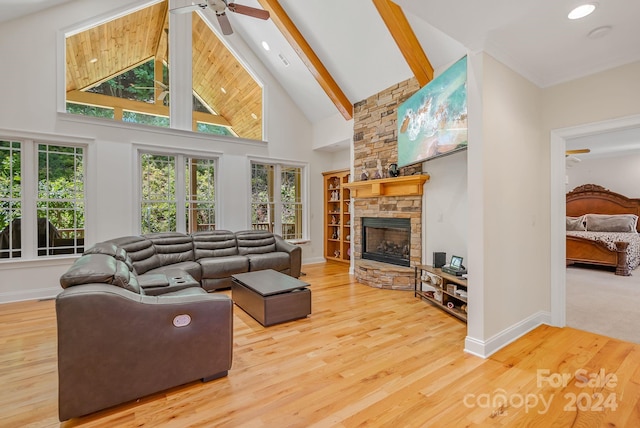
{"x": 117, "y": 344}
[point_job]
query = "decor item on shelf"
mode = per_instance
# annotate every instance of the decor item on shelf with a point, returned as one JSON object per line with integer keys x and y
{"x": 349, "y": 251}
{"x": 364, "y": 175}
{"x": 333, "y": 219}
{"x": 393, "y": 170}
{"x": 335, "y": 235}
{"x": 378, "y": 174}
{"x": 336, "y": 182}
{"x": 447, "y": 292}
{"x": 336, "y": 253}
{"x": 348, "y": 238}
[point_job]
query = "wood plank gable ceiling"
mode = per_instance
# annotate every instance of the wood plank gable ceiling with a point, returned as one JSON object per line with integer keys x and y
{"x": 126, "y": 42}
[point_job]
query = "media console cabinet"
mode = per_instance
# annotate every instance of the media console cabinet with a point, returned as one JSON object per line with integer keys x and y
{"x": 447, "y": 292}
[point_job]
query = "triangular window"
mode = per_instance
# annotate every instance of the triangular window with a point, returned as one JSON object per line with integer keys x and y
{"x": 119, "y": 69}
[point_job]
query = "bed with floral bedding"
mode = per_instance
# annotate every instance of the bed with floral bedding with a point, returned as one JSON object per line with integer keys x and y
{"x": 602, "y": 229}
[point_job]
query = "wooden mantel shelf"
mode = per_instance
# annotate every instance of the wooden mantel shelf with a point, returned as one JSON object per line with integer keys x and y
{"x": 410, "y": 185}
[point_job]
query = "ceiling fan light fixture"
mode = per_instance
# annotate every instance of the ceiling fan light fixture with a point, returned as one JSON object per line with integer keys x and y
{"x": 582, "y": 11}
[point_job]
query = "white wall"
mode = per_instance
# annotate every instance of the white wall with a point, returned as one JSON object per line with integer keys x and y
{"x": 446, "y": 207}
{"x": 508, "y": 256}
{"x": 29, "y": 49}
{"x": 620, "y": 174}
{"x": 516, "y": 255}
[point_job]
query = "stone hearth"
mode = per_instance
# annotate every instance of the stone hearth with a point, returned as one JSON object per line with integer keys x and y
{"x": 385, "y": 275}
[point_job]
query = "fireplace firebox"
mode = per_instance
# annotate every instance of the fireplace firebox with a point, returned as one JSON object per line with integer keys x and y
{"x": 387, "y": 240}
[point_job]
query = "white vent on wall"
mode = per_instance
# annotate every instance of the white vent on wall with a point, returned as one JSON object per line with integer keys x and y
{"x": 284, "y": 60}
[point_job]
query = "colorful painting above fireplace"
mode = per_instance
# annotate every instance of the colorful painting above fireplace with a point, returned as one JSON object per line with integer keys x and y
{"x": 433, "y": 121}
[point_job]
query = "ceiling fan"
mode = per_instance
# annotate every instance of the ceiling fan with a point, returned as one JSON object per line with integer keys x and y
{"x": 571, "y": 158}
{"x": 576, "y": 152}
{"x": 219, "y": 7}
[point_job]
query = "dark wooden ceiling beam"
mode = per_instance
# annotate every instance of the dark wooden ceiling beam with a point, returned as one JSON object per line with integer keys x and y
{"x": 406, "y": 40}
{"x": 308, "y": 56}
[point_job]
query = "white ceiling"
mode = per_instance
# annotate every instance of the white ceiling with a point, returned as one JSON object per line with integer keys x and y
{"x": 533, "y": 37}
{"x": 10, "y": 9}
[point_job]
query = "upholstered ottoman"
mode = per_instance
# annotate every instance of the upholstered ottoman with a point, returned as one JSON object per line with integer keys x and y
{"x": 271, "y": 297}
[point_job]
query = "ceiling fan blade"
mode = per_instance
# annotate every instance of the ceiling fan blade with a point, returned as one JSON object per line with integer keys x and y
{"x": 163, "y": 95}
{"x": 248, "y": 10}
{"x": 577, "y": 151}
{"x": 187, "y": 9}
{"x": 225, "y": 25}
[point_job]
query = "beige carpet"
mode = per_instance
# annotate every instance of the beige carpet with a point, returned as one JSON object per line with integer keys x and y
{"x": 600, "y": 302}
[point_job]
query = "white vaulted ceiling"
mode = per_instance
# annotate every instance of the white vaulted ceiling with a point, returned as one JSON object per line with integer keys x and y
{"x": 533, "y": 37}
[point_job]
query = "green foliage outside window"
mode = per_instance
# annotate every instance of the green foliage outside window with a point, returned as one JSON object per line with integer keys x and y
{"x": 136, "y": 84}
{"x": 158, "y": 193}
{"x": 10, "y": 180}
{"x": 145, "y": 119}
{"x": 61, "y": 186}
{"x": 86, "y": 110}
{"x": 201, "y": 196}
{"x": 207, "y": 128}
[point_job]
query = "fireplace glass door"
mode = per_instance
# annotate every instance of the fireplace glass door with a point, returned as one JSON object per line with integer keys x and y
{"x": 387, "y": 240}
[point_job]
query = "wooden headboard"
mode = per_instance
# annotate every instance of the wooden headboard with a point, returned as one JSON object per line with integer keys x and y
{"x": 594, "y": 199}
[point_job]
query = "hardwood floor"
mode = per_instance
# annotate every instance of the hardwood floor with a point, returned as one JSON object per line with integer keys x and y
{"x": 365, "y": 357}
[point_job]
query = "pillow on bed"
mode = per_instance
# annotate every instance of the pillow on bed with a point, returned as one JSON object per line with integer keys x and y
{"x": 611, "y": 223}
{"x": 576, "y": 223}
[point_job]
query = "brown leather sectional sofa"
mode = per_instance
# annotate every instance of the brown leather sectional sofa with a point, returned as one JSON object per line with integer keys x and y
{"x": 135, "y": 316}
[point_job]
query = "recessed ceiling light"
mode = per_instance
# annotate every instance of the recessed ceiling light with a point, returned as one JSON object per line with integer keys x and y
{"x": 266, "y": 46}
{"x": 582, "y": 11}
{"x": 223, "y": 90}
{"x": 254, "y": 116}
{"x": 93, "y": 60}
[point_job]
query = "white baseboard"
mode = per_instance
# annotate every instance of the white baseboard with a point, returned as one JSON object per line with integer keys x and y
{"x": 484, "y": 349}
{"x": 313, "y": 261}
{"x": 38, "y": 294}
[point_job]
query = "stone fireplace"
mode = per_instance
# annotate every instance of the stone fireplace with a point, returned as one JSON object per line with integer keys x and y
{"x": 387, "y": 210}
{"x": 375, "y": 142}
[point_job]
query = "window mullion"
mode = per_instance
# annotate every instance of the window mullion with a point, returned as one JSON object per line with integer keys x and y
{"x": 29, "y": 199}
{"x": 277, "y": 199}
{"x": 180, "y": 193}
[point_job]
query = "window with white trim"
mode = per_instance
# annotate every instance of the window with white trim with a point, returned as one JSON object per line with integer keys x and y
{"x": 277, "y": 197}
{"x": 177, "y": 193}
{"x": 56, "y": 203}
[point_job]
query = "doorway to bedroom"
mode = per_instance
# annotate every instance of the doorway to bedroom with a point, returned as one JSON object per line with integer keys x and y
{"x": 589, "y": 299}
